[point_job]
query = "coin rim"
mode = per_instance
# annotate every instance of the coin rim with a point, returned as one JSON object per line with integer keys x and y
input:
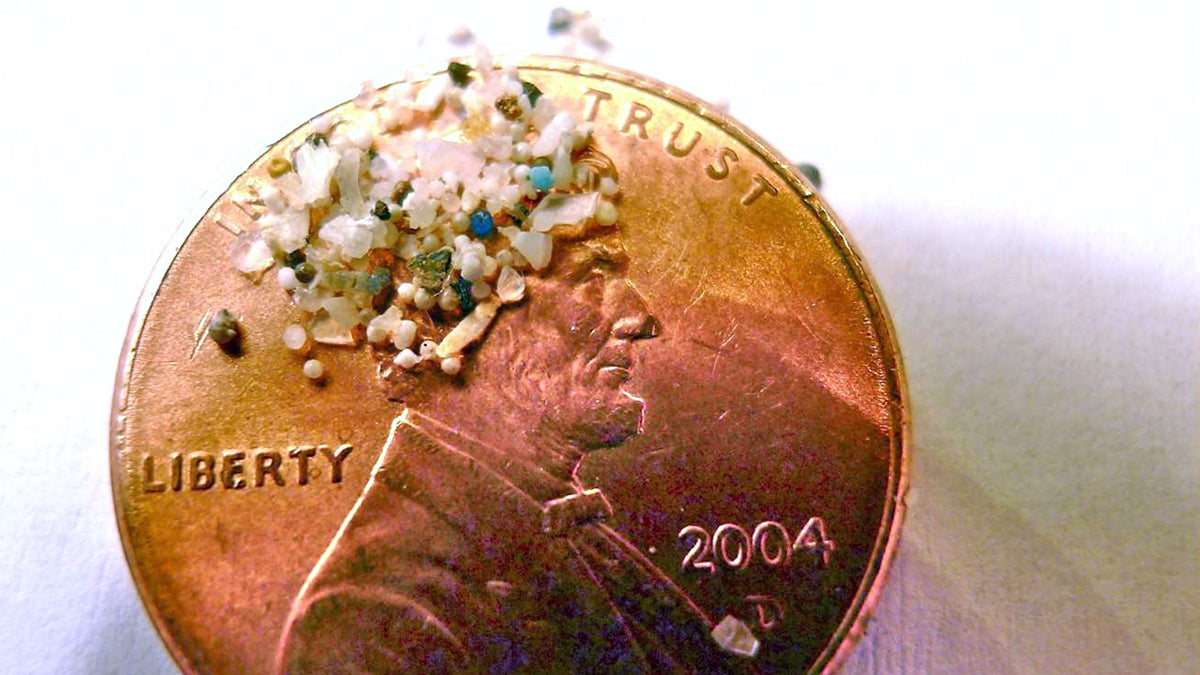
{"x": 852, "y": 628}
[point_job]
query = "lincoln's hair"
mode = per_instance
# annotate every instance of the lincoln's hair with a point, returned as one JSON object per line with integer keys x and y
{"x": 579, "y": 251}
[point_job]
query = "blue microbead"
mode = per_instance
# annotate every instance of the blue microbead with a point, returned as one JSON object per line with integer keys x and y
{"x": 541, "y": 178}
{"x": 482, "y": 224}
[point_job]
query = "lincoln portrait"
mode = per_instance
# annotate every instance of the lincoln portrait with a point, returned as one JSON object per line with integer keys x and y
{"x": 474, "y": 546}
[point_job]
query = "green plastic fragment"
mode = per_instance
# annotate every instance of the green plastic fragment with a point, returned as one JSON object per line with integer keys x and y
{"x": 223, "y": 328}
{"x": 348, "y": 280}
{"x": 430, "y": 269}
{"x": 381, "y": 210}
{"x": 560, "y": 21}
{"x": 519, "y": 213}
{"x": 811, "y": 172}
{"x": 462, "y": 288}
{"x": 460, "y": 73}
{"x": 403, "y": 189}
{"x": 278, "y": 166}
{"x": 531, "y": 92}
{"x": 305, "y": 272}
{"x": 378, "y": 280}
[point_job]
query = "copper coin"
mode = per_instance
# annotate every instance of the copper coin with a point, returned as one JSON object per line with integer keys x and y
{"x": 686, "y": 456}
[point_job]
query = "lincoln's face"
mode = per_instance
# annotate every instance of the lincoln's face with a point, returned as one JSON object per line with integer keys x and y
{"x": 579, "y": 350}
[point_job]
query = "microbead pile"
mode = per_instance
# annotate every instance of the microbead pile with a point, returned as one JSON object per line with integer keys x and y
{"x": 427, "y": 210}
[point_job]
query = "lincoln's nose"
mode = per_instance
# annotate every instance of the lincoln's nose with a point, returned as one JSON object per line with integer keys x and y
{"x": 636, "y": 322}
{"x": 642, "y": 326}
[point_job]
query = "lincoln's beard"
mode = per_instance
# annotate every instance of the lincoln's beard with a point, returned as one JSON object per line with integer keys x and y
{"x": 608, "y": 420}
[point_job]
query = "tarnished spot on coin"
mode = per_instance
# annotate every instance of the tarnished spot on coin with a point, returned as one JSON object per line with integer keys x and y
{"x": 679, "y": 446}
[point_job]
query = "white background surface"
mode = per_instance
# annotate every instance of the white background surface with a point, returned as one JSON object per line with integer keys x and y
{"x": 1021, "y": 177}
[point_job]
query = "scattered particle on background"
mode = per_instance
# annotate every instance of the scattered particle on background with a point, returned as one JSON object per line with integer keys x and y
{"x": 461, "y": 37}
{"x": 811, "y": 172}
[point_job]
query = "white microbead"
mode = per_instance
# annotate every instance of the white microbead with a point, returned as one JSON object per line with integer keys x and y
{"x": 406, "y": 359}
{"x": 428, "y": 347}
{"x": 460, "y": 221}
{"x": 447, "y": 300}
{"x": 520, "y": 152}
{"x": 340, "y": 141}
{"x": 287, "y": 278}
{"x": 376, "y": 333}
{"x": 406, "y": 333}
{"x": 405, "y": 292}
{"x": 430, "y": 242}
{"x": 580, "y": 136}
{"x": 314, "y": 369}
{"x": 424, "y": 299}
{"x": 606, "y": 213}
{"x": 472, "y": 268}
{"x": 490, "y": 267}
{"x": 504, "y": 257}
{"x": 451, "y": 365}
{"x": 295, "y": 337}
{"x": 390, "y": 119}
{"x": 520, "y": 173}
{"x": 360, "y": 137}
{"x": 608, "y": 186}
{"x": 480, "y": 290}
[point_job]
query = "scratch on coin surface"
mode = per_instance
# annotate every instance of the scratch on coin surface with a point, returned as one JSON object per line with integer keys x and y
{"x": 731, "y": 332}
{"x": 817, "y": 336}
{"x": 698, "y": 294}
{"x": 661, "y": 451}
{"x": 201, "y": 331}
{"x": 668, "y": 269}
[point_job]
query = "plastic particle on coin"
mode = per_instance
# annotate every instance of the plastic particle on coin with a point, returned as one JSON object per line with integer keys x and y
{"x": 223, "y": 327}
{"x": 648, "y": 411}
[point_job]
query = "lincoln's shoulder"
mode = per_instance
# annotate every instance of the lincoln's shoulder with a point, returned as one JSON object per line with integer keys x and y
{"x": 349, "y": 626}
{"x": 449, "y": 472}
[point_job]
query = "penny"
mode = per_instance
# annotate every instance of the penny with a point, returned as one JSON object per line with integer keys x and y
{"x": 677, "y": 445}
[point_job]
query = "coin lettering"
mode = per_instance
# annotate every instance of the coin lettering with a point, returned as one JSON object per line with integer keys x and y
{"x": 637, "y": 116}
{"x": 768, "y": 609}
{"x": 672, "y": 144}
{"x": 762, "y": 186}
{"x": 634, "y": 122}
{"x": 592, "y": 99}
{"x": 238, "y": 469}
{"x": 719, "y": 169}
{"x": 731, "y": 547}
